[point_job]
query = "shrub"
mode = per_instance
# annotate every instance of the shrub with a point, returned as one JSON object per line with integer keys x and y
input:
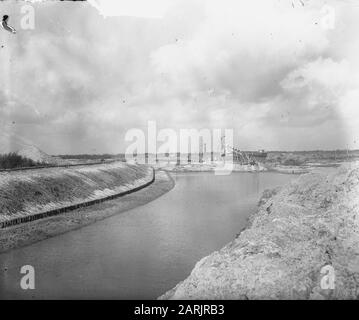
{"x": 13, "y": 160}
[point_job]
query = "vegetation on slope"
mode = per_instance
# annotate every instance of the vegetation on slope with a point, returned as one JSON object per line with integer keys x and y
{"x": 13, "y": 160}
{"x": 30, "y": 192}
{"x": 298, "y": 158}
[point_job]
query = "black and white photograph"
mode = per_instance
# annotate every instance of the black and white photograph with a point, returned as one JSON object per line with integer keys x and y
{"x": 192, "y": 150}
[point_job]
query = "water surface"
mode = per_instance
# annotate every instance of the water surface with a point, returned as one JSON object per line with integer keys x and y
{"x": 145, "y": 251}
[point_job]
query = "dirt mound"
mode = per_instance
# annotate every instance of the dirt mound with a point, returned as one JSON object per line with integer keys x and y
{"x": 14, "y": 143}
{"x": 37, "y": 155}
{"x": 297, "y": 234}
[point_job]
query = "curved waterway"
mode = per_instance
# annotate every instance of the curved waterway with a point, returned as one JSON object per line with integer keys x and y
{"x": 145, "y": 251}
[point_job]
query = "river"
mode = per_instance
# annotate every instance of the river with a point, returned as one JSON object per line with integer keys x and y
{"x": 143, "y": 252}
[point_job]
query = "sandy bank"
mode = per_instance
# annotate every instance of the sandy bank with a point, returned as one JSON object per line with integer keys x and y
{"x": 310, "y": 223}
{"x": 28, "y": 233}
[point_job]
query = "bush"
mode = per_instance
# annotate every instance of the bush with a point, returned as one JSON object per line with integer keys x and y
{"x": 13, "y": 160}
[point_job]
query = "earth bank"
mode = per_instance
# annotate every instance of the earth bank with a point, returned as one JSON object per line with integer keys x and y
{"x": 298, "y": 229}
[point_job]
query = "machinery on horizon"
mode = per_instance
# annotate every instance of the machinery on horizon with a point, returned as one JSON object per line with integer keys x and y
{"x": 241, "y": 157}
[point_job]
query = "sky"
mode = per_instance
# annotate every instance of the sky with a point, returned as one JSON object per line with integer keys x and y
{"x": 283, "y": 74}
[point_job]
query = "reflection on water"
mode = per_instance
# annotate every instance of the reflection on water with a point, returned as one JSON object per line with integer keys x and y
{"x": 145, "y": 251}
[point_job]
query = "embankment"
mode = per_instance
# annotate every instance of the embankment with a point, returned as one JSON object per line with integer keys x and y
{"x": 32, "y": 193}
{"x": 28, "y": 233}
{"x": 311, "y": 223}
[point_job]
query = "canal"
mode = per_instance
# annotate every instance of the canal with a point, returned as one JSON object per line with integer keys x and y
{"x": 143, "y": 252}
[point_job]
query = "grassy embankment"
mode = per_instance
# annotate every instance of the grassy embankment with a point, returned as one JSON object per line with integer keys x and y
{"x": 30, "y": 192}
{"x": 300, "y": 228}
{"x": 58, "y": 187}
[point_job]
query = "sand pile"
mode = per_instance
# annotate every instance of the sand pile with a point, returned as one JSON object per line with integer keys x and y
{"x": 298, "y": 230}
{"x": 37, "y": 155}
{"x": 14, "y": 143}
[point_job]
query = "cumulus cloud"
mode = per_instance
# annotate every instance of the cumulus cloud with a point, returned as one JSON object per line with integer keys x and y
{"x": 270, "y": 70}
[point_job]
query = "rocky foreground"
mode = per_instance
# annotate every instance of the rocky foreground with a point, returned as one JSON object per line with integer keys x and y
{"x": 298, "y": 229}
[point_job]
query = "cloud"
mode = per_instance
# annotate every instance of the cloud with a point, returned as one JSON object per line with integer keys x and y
{"x": 245, "y": 47}
{"x": 265, "y": 68}
{"x": 134, "y": 8}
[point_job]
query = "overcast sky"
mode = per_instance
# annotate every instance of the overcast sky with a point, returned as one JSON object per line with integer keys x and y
{"x": 274, "y": 71}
